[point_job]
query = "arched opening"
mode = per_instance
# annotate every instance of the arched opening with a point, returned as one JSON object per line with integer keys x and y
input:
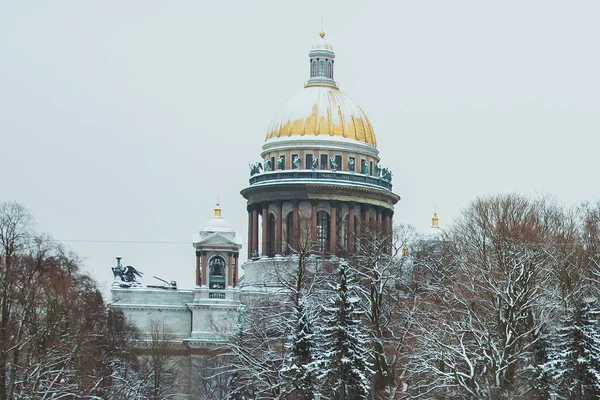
{"x": 271, "y": 235}
{"x": 289, "y": 233}
{"x": 216, "y": 272}
{"x": 323, "y": 227}
{"x": 329, "y": 69}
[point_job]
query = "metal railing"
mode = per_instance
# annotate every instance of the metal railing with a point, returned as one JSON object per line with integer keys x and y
{"x": 324, "y": 175}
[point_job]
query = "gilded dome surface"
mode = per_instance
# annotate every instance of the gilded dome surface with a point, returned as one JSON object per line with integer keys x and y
{"x": 322, "y": 110}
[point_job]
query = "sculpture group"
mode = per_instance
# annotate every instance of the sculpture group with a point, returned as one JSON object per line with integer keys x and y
{"x": 125, "y": 276}
{"x": 258, "y": 167}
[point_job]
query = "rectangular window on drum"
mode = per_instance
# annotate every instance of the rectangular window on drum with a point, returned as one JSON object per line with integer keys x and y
{"x": 371, "y": 168}
{"x": 309, "y": 158}
{"x": 272, "y": 163}
{"x": 338, "y": 161}
{"x": 324, "y": 161}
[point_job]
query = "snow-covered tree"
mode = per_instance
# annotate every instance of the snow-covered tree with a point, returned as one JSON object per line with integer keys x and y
{"x": 574, "y": 353}
{"x": 298, "y": 367}
{"x": 344, "y": 362}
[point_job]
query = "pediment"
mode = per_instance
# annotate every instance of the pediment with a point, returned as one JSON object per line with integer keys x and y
{"x": 217, "y": 239}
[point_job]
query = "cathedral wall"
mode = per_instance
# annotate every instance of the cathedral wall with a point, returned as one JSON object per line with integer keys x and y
{"x": 141, "y": 306}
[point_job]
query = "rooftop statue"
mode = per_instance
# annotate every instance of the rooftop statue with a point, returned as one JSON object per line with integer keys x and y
{"x": 280, "y": 162}
{"x": 387, "y": 174}
{"x": 365, "y": 169}
{"x": 378, "y": 170}
{"x": 315, "y": 163}
{"x": 266, "y": 164}
{"x": 351, "y": 165}
{"x": 334, "y": 165}
{"x": 255, "y": 168}
{"x": 297, "y": 162}
{"x": 126, "y": 274}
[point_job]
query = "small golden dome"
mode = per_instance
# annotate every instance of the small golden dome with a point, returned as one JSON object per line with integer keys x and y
{"x": 322, "y": 34}
{"x": 435, "y": 220}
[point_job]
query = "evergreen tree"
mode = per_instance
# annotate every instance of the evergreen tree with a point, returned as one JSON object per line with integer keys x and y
{"x": 298, "y": 366}
{"x": 574, "y": 357}
{"x": 344, "y": 362}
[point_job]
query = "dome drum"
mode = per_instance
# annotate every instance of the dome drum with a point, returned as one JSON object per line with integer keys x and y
{"x": 329, "y": 226}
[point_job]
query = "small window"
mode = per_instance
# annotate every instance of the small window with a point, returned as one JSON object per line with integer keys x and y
{"x": 272, "y": 164}
{"x": 313, "y": 70}
{"x": 351, "y": 164}
{"x": 329, "y": 69}
{"x": 321, "y": 68}
{"x": 323, "y": 161}
{"x": 309, "y": 161}
{"x": 371, "y": 168}
{"x": 296, "y": 161}
{"x": 338, "y": 162}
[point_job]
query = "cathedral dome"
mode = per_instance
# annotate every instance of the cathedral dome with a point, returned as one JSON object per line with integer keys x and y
{"x": 321, "y": 109}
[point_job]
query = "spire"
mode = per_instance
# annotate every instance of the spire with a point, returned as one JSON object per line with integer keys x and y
{"x": 321, "y": 58}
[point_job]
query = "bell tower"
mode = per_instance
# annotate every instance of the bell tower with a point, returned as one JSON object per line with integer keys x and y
{"x": 217, "y": 256}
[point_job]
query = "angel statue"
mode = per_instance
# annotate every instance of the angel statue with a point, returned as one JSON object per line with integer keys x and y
{"x": 334, "y": 165}
{"x": 365, "y": 169}
{"x": 255, "y": 168}
{"x": 387, "y": 175}
{"x": 315, "y": 163}
{"x": 351, "y": 164}
{"x": 296, "y": 162}
{"x": 266, "y": 164}
{"x": 378, "y": 170}
{"x": 280, "y": 162}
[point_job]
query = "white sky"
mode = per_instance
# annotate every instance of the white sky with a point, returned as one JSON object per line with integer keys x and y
{"x": 124, "y": 120}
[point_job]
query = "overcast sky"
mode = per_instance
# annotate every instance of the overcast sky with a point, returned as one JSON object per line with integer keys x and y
{"x": 124, "y": 120}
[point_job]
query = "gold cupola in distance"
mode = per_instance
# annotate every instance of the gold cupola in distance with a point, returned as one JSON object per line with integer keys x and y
{"x": 321, "y": 109}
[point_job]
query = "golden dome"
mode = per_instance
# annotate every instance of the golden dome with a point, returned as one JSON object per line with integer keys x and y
{"x": 322, "y": 110}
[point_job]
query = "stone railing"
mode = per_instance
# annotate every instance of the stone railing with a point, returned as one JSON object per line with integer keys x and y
{"x": 320, "y": 175}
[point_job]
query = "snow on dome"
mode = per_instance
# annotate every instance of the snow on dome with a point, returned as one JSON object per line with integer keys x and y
{"x": 322, "y": 43}
{"x": 322, "y": 110}
{"x": 217, "y": 223}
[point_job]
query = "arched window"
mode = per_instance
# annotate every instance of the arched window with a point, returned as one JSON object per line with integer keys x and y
{"x": 289, "y": 233}
{"x": 271, "y": 235}
{"x": 313, "y": 70}
{"x": 323, "y": 231}
{"x": 321, "y": 68}
{"x": 216, "y": 270}
{"x": 329, "y": 69}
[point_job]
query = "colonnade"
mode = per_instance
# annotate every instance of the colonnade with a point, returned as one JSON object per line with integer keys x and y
{"x": 334, "y": 225}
